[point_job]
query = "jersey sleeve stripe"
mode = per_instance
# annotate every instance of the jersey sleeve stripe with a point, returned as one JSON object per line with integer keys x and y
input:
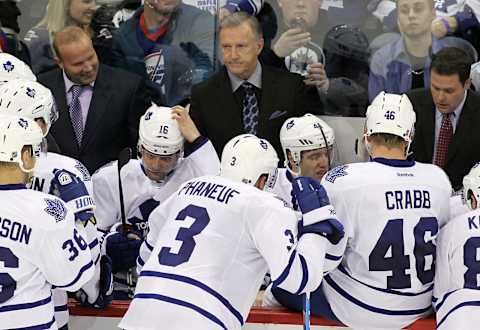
{"x": 333, "y": 257}
{"x": 199, "y": 285}
{"x": 79, "y": 275}
{"x": 304, "y": 274}
{"x": 439, "y": 305}
{"x": 174, "y": 301}
{"x": 285, "y": 272}
{"x": 467, "y": 303}
{"x": 398, "y": 293}
{"x": 39, "y": 327}
{"x": 357, "y": 302}
{"x": 148, "y": 246}
{"x": 140, "y": 261}
{"x": 195, "y": 146}
{"x": 61, "y": 308}
{"x": 17, "y": 307}
{"x": 93, "y": 244}
{"x": 98, "y": 259}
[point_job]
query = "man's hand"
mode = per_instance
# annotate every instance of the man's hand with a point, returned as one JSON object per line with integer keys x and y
{"x": 441, "y": 26}
{"x": 317, "y": 77}
{"x": 123, "y": 247}
{"x": 185, "y": 123}
{"x": 71, "y": 189}
{"x": 291, "y": 40}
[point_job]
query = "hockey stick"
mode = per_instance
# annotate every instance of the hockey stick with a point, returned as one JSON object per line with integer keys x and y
{"x": 123, "y": 158}
{"x": 306, "y": 311}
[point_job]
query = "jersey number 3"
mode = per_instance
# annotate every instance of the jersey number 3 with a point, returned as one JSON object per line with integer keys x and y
{"x": 7, "y": 283}
{"x": 186, "y": 236}
{"x": 391, "y": 243}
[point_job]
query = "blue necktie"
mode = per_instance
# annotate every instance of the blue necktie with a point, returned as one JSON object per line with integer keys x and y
{"x": 75, "y": 110}
{"x": 250, "y": 109}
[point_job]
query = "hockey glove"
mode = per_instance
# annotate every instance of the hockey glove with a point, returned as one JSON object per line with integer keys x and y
{"x": 105, "y": 294}
{"x": 318, "y": 216}
{"x": 71, "y": 189}
{"x": 123, "y": 247}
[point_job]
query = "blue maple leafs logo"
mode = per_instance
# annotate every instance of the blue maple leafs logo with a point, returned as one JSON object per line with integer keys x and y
{"x": 336, "y": 173}
{"x": 290, "y": 124}
{"x": 8, "y": 66}
{"x": 83, "y": 171}
{"x": 22, "y": 123}
{"x": 31, "y": 92}
{"x": 56, "y": 209}
{"x": 263, "y": 144}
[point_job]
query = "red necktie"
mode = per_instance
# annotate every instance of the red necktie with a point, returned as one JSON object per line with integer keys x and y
{"x": 444, "y": 138}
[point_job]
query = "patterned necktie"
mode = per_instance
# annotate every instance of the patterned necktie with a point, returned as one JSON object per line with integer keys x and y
{"x": 250, "y": 109}
{"x": 75, "y": 110}
{"x": 444, "y": 138}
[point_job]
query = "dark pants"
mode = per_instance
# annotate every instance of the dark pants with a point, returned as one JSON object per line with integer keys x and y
{"x": 319, "y": 305}
{"x": 65, "y": 327}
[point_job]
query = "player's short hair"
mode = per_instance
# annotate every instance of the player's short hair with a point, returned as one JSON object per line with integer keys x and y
{"x": 13, "y": 165}
{"x": 452, "y": 60}
{"x": 387, "y": 140}
{"x": 67, "y": 36}
{"x": 238, "y": 18}
{"x": 430, "y": 2}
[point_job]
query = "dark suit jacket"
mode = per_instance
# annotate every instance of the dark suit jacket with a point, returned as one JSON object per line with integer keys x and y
{"x": 463, "y": 151}
{"x": 219, "y": 116}
{"x": 112, "y": 122}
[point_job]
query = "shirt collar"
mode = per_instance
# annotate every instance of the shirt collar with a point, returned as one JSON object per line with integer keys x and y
{"x": 69, "y": 83}
{"x": 255, "y": 79}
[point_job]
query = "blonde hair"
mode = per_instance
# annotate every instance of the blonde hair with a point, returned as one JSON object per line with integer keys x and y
{"x": 56, "y": 17}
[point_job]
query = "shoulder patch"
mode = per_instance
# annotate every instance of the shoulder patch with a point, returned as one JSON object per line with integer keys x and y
{"x": 83, "y": 170}
{"x": 56, "y": 209}
{"x": 336, "y": 173}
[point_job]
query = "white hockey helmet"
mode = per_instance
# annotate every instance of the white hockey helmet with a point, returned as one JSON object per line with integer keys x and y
{"x": 159, "y": 132}
{"x": 391, "y": 114}
{"x": 29, "y": 99}
{"x": 246, "y": 157}
{"x": 471, "y": 186}
{"x": 305, "y": 133}
{"x": 13, "y": 68}
{"x": 15, "y": 133}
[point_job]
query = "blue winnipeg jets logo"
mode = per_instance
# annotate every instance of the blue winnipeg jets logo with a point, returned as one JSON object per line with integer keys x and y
{"x": 336, "y": 173}
{"x": 56, "y": 209}
{"x": 8, "y": 66}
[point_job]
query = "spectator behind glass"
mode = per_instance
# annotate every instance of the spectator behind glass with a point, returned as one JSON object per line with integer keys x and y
{"x": 60, "y": 14}
{"x": 405, "y": 63}
{"x": 169, "y": 43}
{"x": 9, "y": 28}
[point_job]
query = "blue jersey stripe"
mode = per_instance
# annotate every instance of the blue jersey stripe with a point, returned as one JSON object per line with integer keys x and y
{"x": 174, "y": 301}
{"x": 439, "y": 304}
{"x": 199, "y": 285}
{"x": 79, "y": 275}
{"x": 398, "y": 293}
{"x": 93, "y": 244}
{"x": 38, "y": 327}
{"x": 332, "y": 257}
{"x": 304, "y": 274}
{"x": 148, "y": 245}
{"x": 17, "y": 307}
{"x": 140, "y": 261}
{"x": 466, "y": 303}
{"x": 357, "y": 302}
{"x": 285, "y": 272}
{"x": 61, "y": 308}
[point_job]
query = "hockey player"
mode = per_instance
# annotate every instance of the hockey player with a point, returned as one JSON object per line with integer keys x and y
{"x": 40, "y": 245}
{"x": 211, "y": 242}
{"x": 147, "y": 182}
{"x": 392, "y": 209}
{"x": 34, "y": 101}
{"x": 456, "y": 291}
{"x": 308, "y": 146}
{"x": 13, "y": 68}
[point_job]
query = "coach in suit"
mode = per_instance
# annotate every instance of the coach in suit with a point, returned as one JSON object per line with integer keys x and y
{"x": 99, "y": 106}
{"x": 246, "y": 96}
{"x": 448, "y": 117}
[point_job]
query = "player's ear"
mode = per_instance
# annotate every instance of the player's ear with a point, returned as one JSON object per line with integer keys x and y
{"x": 261, "y": 181}
{"x": 28, "y": 159}
{"x": 291, "y": 162}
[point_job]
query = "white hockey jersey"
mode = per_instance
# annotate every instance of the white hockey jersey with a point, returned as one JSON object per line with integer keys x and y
{"x": 40, "y": 246}
{"x": 457, "y": 286}
{"x": 42, "y": 181}
{"x": 139, "y": 190}
{"x": 392, "y": 211}
{"x": 457, "y": 206}
{"x": 283, "y": 187}
{"x": 207, "y": 251}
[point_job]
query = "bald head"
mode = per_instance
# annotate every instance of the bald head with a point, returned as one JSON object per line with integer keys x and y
{"x": 75, "y": 55}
